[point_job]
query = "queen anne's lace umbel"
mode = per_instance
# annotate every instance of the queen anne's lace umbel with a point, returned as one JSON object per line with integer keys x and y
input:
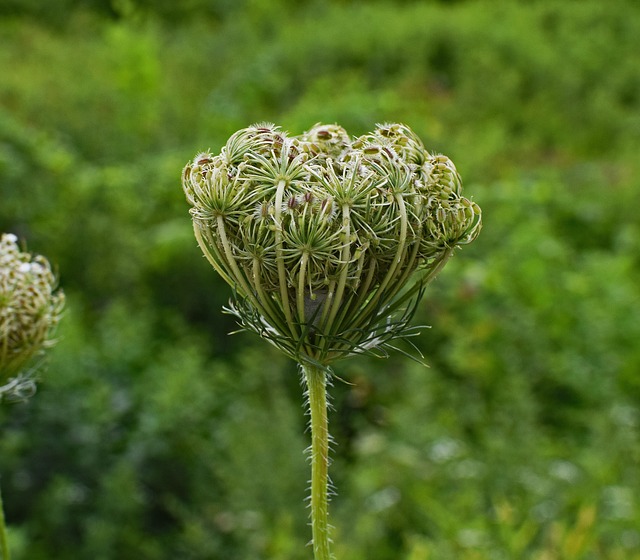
{"x": 327, "y": 241}
{"x": 30, "y": 308}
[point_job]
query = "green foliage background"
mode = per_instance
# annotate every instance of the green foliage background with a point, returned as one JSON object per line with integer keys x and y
{"x": 155, "y": 435}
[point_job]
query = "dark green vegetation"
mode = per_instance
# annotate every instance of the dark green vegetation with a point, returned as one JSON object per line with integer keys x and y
{"x": 155, "y": 435}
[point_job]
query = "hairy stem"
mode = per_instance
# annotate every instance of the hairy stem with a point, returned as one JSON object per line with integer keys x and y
{"x": 4, "y": 545}
{"x": 316, "y": 380}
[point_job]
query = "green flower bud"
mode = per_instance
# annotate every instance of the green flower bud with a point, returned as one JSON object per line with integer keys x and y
{"x": 30, "y": 308}
{"x": 325, "y": 240}
{"x": 402, "y": 140}
{"x": 327, "y": 140}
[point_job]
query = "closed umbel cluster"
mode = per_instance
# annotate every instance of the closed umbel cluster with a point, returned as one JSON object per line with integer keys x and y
{"x": 327, "y": 240}
{"x": 30, "y": 308}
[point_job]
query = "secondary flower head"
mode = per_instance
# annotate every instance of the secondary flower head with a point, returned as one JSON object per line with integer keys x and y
{"x": 30, "y": 308}
{"x": 326, "y": 240}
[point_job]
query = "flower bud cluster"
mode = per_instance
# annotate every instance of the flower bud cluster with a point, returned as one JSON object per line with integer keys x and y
{"x": 30, "y": 308}
{"x": 323, "y": 237}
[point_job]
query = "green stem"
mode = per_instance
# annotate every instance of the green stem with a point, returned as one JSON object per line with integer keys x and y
{"x": 4, "y": 545}
{"x": 316, "y": 379}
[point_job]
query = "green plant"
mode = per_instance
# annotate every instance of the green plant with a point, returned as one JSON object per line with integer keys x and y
{"x": 328, "y": 244}
{"x": 29, "y": 312}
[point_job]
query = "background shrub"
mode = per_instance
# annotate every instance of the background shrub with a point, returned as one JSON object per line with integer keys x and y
{"x": 156, "y": 435}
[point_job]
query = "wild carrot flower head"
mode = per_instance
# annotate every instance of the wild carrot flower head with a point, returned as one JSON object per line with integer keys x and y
{"x": 30, "y": 309}
{"x": 327, "y": 241}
